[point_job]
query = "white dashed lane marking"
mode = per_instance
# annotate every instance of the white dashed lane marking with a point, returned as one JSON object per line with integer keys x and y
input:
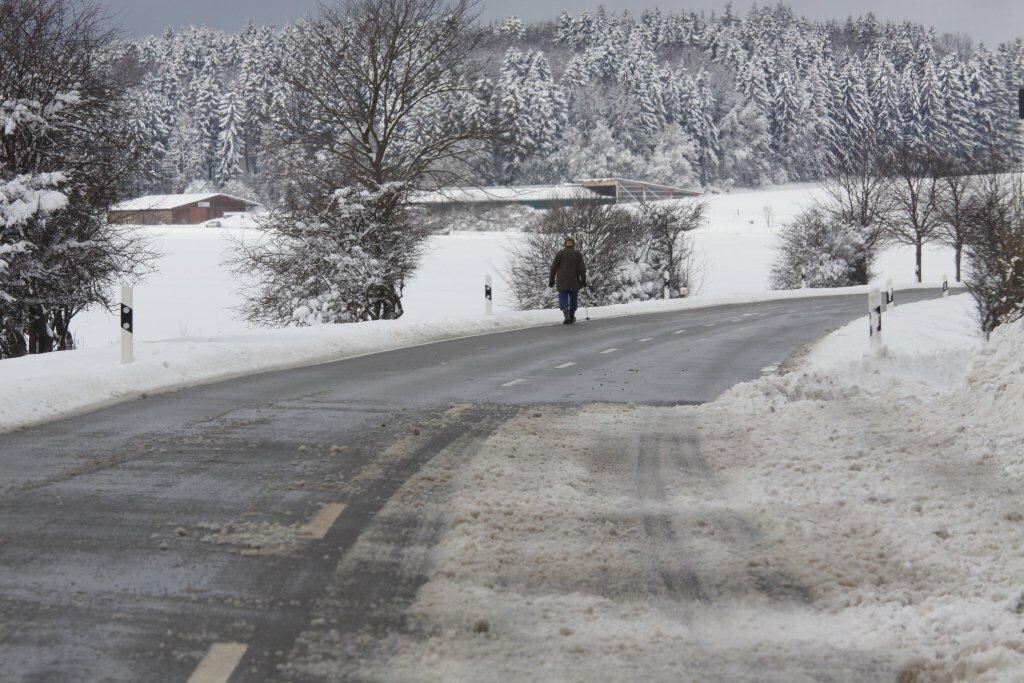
{"x": 564, "y": 365}
{"x": 679, "y": 331}
{"x": 609, "y": 351}
{"x": 513, "y": 383}
{"x": 219, "y": 663}
{"x": 709, "y": 324}
{"x": 645, "y": 339}
{"x": 770, "y": 368}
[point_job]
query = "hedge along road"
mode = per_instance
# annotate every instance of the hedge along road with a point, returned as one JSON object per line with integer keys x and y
{"x": 193, "y": 533}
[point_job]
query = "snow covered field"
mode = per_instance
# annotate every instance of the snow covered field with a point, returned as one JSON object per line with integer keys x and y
{"x": 852, "y": 520}
{"x": 193, "y": 294}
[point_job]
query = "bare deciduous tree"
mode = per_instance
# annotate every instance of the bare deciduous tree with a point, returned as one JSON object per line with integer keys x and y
{"x": 856, "y": 197}
{"x": 372, "y": 110}
{"x": 375, "y": 86}
{"x": 956, "y": 189}
{"x": 914, "y": 189}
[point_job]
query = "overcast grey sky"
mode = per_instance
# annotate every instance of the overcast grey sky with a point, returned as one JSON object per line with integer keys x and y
{"x": 991, "y": 21}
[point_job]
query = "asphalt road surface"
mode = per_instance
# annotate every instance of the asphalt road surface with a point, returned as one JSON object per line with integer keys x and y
{"x": 194, "y": 533}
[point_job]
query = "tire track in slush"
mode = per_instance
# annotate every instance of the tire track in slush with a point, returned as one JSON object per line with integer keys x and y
{"x": 663, "y": 458}
{"x": 375, "y": 596}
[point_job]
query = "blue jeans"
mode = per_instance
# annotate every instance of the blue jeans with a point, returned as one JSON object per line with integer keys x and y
{"x": 568, "y": 298}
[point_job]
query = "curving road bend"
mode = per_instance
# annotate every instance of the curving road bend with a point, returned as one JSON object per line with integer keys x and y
{"x": 207, "y": 531}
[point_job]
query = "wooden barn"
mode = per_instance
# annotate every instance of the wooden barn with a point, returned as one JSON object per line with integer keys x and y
{"x": 177, "y": 209}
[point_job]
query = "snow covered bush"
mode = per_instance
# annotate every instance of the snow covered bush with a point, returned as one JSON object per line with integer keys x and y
{"x": 817, "y": 250}
{"x": 835, "y": 242}
{"x": 629, "y": 252}
{"x": 995, "y": 251}
{"x": 370, "y": 104}
{"x": 347, "y": 262}
{"x": 669, "y": 249}
{"x": 66, "y": 155}
{"x": 605, "y": 235}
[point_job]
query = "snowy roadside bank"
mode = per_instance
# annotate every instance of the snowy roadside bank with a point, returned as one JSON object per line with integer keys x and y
{"x": 890, "y": 486}
{"x": 857, "y": 519}
{"x": 43, "y": 388}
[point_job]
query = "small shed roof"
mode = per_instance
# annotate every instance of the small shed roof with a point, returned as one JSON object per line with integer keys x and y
{"x": 163, "y": 202}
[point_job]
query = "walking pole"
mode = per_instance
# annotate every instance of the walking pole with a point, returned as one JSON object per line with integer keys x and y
{"x": 586, "y": 306}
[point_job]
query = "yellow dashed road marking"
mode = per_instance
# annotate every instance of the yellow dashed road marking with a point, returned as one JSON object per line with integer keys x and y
{"x": 322, "y": 521}
{"x": 219, "y": 663}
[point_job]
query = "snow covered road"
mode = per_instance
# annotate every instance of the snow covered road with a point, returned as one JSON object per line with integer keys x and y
{"x": 523, "y": 506}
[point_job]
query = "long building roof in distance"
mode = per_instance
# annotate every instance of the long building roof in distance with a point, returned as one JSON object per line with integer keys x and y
{"x": 163, "y": 202}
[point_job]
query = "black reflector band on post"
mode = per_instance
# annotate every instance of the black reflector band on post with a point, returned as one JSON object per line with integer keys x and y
{"x": 126, "y": 318}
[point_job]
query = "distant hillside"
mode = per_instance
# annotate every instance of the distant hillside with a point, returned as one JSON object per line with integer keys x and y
{"x": 681, "y": 98}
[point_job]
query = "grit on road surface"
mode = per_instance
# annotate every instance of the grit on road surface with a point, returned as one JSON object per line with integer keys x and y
{"x": 283, "y": 525}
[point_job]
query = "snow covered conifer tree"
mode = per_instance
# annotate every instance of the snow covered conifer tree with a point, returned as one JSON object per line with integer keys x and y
{"x": 853, "y": 115}
{"x": 746, "y": 145}
{"x": 512, "y": 28}
{"x": 149, "y": 136}
{"x": 785, "y": 114}
{"x": 206, "y": 93}
{"x": 957, "y": 109}
{"x": 229, "y": 148}
{"x": 257, "y": 86}
{"x": 885, "y": 102}
{"x": 529, "y": 113}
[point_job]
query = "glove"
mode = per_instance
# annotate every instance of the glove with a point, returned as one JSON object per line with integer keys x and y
{"x": 551, "y": 284}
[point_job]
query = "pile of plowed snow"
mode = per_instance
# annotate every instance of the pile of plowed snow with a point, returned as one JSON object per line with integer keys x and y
{"x": 893, "y": 484}
{"x": 926, "y": 350}
{"x": 994, "y": 389}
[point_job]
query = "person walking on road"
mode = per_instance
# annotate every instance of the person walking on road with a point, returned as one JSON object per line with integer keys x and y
{"x": 569, "y": 274}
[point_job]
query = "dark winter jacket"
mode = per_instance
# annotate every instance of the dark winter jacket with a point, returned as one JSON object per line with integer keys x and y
{"x": 568, "y": 271}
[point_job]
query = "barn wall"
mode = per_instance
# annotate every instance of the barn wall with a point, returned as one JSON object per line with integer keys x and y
{"x": 190, "y": 214}
{"x": 141, "y": 217}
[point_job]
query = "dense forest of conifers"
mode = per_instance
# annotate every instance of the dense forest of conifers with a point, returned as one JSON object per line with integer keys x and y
{"x": 681, "y": 98}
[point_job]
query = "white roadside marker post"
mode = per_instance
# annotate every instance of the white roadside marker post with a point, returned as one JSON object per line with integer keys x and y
{"x": 127, "y": 325}
{"x": 803, "y": 277}
{"x": 890, "y": 295}
{"x": 488, "y": 296}
{"x": 875, "y": 319}
{"x": 945, "y": 286}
